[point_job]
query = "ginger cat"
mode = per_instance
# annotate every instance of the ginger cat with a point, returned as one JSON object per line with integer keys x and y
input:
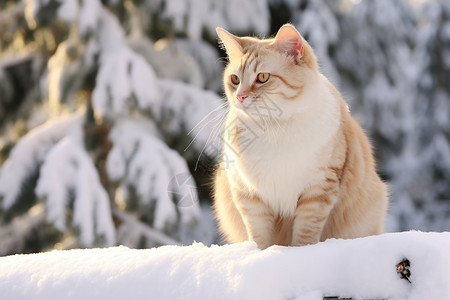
{"x": 300, "y": 169}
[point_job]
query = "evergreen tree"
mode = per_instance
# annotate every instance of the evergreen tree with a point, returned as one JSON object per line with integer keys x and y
{"x": 374, "y": 60}
{"x": 109, "y": 165}
{"x": 422, "y": 172}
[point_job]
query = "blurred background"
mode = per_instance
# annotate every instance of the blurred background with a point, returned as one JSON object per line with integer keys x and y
{"x": 106, "y": 135}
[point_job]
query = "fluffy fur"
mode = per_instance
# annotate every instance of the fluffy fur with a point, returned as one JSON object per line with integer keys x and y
{"x": 300, "y": 169}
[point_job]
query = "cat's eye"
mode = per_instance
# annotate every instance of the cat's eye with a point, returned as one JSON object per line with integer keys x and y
{"x": 262, "y": 77}
{"x": 235, "y": 79}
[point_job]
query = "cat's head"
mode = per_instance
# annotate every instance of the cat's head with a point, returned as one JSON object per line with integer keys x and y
{"x": 268, "y": 77}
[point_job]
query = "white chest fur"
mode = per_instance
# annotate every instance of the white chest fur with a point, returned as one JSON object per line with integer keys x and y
{"x": 280, "y": 161}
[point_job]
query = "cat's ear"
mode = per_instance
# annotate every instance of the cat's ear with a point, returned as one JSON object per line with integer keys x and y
{"x": 231, "y": 43}
{"x": 288, "y": 40}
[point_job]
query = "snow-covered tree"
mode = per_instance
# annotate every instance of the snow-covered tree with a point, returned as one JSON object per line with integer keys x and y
{"x": 104, "y": 168}
{"x": 392, "y": 63}
{"x": 374, "y": 60}
{"x": 422, "y": 171}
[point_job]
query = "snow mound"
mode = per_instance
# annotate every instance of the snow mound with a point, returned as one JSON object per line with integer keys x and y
{"x": 362, "y": 269}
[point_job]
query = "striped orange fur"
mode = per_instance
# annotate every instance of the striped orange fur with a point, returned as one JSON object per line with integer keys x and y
{"x": 302, "y": 169}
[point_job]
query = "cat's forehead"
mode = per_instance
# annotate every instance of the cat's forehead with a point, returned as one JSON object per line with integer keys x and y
{"x": 253, "y": 61}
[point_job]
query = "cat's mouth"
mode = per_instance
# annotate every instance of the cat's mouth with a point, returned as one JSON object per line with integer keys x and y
{"x": 259, "y": 108}
{"x": 246, "y": 108}
{"x": 243, "y": 106}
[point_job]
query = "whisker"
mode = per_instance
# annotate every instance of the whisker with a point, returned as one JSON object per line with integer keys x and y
{"x": 205, "y": 117}
{"x": 275, "y": 128}
{"x": 222, "y": 60}
{"x": 217, "y": 127}
{"x": 213, "y": 132}
{"x": 203, "y": 126}
{"x": 271, "y": 130}
{"x": 279, "y": 125}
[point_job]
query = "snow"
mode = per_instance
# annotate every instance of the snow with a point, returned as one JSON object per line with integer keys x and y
{"x": 141, "y": 160}
{"x": 68, "y": 10}
{"x": 28, "y": 154}
{"x": 14, "y": 235}
{"x": 363, "y": 268}
{"x": 124, "y": 75}
{"x": 90, "y": 13}
{"x": 174, "y": 63}
{"x": 68, "y": 166}
{"x": 110, "y": 34}
{"x": 320, "y": 27}
{"x": 56, "y": 147}
{"x": 207, "y": 59}
{"x": 197, "y": 112}
{"x": 196, "y": 16}
{"x": 124, "y": 78}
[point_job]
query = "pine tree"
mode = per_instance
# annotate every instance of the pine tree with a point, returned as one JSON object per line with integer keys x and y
{"x": 109, "y": 165}
{"x": 422, "y": 172}
{"x": 374, "y": 60}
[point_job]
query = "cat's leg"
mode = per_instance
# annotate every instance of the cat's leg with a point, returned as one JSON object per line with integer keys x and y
{"x": 257, "y": 217}
{"x": 311, "y": 215}
{"x": 228, "y": 217}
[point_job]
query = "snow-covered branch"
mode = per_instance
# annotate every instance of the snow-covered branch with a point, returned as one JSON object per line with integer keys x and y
{"x": 124, "y": 76}
{"x": 68, "y": 167}
{"x": 138, "y": 230}
{"x": 56, "y": 148}
{"x": 14, "y": 235}
{"x": 29, "y": 152}
{"x": 198, "y": 113}
{"x": 141, "y": 160}
{"x": 196, "y": 17}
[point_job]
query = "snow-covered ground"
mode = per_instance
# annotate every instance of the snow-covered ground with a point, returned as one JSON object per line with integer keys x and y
{"x": 362, "y": 269}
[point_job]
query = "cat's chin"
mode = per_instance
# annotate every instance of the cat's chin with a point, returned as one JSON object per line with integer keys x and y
{"x": 248, "y": 109}
{"x": 241, "y": 108}
{"x": 261, "y": 113}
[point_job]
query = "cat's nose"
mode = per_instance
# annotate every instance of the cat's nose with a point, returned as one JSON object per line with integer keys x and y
{"x": 241, "y": 97}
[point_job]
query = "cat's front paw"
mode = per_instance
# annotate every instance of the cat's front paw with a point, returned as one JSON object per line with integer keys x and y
{"x": 304, "y": 242}
{"x": 263, "y": 244}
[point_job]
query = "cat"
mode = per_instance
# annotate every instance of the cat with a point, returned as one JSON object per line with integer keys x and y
{"x": 299, "y": 168}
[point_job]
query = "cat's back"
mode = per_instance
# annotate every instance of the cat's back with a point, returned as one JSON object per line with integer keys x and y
{"x": 362, "y": 206}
